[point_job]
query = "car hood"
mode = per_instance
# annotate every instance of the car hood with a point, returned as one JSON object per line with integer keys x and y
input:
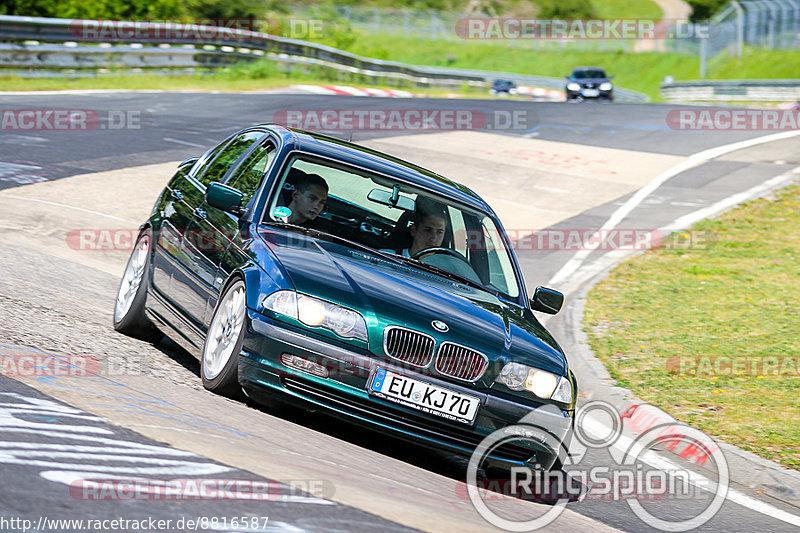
{"x": 386, "y": 293}
{"x": 588, "y": 82}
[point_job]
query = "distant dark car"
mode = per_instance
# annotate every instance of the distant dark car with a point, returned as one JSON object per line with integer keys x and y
{"x": 589, "y": 83}
{"x": 503, "y": 87}
{"x": 440, "y": 347}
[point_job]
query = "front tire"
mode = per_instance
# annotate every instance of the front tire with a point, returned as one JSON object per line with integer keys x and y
{"x": 129, "y": 315}
{"x": 220, "y": 357}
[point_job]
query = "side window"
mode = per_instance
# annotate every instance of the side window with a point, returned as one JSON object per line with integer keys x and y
{"x": 249, "y": 174}
{"x": 227, "y": 156}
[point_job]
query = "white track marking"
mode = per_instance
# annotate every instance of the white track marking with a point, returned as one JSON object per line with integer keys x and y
{"x": 624, "y": 443}
{"x": 571, "y": 266}
{"x": 187, "y": 143}
{"x": 610, "y": 259}
{"x": 48, "y": 202}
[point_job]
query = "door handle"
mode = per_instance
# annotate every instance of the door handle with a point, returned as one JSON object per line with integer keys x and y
{"x": 177, "y": 194}
{"x": 200, "y": 213}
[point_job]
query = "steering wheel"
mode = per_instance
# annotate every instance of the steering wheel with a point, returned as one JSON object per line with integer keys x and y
{"x": 440, "y": 250}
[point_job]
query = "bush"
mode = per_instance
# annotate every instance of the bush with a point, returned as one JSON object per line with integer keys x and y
{"x": 224, "y": 9}
{"x": 703, "y": 10}
{"x": 98, "y": 9}
{"x": 567, "y": 9}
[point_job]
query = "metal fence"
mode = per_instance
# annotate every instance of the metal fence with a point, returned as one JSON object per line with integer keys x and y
{"x": 764, "y": 24}
{"x": 429, "y": 24}
{"x": 732, "y": 91}
{"x": 770, "y": 24}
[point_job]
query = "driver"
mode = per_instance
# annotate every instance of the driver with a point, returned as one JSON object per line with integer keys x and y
{"x": 428, "y": 226}
{"x": 427, "y": 231}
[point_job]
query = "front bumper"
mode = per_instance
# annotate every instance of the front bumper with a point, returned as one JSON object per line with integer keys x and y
{"x": 587, "y": 94}
{"x": 344, "y": 394}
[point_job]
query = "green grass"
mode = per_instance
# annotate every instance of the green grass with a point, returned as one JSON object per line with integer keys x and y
{"x": 662, "y": 321}
{"x": 238, "y": 80}
{"x": 757, "y": 64}
{"x": 627, "y": 9}
{"x": 639, "y": 72}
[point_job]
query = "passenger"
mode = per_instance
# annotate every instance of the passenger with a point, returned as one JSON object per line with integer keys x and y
{"x": 308, "y": 199}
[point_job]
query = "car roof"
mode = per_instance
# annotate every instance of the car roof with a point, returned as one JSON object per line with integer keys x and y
{"x": 326, "y": 146}
{"x": 578, "y": 69}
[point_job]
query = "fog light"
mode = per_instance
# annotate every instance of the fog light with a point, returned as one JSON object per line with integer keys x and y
{"x": 304, "y": 365}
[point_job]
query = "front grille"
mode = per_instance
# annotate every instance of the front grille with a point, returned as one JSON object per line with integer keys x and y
{"x": 400, "y": 419}
{"x": 411, "y": 347}
{"x": 460, "y": 362}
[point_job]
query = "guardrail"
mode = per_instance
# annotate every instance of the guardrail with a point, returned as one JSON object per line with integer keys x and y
{"x": 732, "y": 90}
{"x": 64, "y": 43}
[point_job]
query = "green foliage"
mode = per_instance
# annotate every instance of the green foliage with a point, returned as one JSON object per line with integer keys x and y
{"x": 704, "y": 9}
{"x": 253, "y": 70}
{"x": 627, "y": 9}
{"x": 135, "y": 9}
{"x": 256, "y": 9}
{"x": 567, "y": 9}
{"x": 98, "y": 9}
{"x": 224, "y": 9}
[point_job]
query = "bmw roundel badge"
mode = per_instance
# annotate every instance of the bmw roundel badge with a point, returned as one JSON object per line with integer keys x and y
{"x": 440, "y": 326}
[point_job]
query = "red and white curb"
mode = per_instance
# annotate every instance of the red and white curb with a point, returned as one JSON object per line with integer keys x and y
{"x": 541, "y": 92}
{"x": 353, "y": 91}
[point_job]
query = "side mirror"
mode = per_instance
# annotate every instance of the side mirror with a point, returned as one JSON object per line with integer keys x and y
{"x": 611, "y": 77}
{"x": 547, "y": 300}
{"x": 225, "y": 198}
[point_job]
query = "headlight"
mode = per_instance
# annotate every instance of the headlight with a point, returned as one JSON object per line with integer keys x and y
{"x": 606, "y": 86}
{"x": 572, "y": 86}
{"x": 317, "y": 313}
{"x": 543, "y": 384}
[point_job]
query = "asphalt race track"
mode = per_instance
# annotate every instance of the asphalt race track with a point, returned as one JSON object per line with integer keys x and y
{"x": 143, "y": 412}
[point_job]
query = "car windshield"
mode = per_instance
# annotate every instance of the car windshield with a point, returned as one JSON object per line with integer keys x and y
{"x": 591, "y": 74}
{"x": 394, "y": 218}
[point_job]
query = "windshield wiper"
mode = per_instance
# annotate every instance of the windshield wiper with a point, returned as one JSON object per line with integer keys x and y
{"x": 336, "y": 238}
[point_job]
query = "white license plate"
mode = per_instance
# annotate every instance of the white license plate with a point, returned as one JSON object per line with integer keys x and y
{"x": 590, "y": 92}
{"x": 424, "y": 396}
